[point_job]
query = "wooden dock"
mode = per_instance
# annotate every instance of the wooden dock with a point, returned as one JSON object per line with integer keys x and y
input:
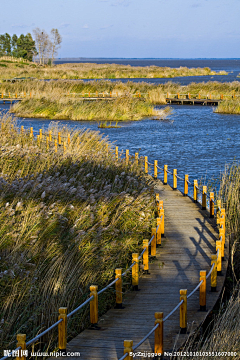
{"x": 190, "y": 240}
{"x": 207, "y": 102}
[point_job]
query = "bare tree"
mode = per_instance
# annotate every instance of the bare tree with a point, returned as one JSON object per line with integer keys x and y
{"x": 56, "y": 40}
{"x": 43, "y": 44}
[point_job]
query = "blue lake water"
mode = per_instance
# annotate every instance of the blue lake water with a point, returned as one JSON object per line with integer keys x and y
{"x": 194, "y": 140}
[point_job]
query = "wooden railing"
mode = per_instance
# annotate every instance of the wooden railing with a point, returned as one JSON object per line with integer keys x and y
{"x": 201, "y": 95}
{"x": 149, "y": 248}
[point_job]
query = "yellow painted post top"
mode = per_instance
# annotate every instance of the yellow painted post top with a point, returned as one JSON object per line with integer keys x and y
{"x": 94, "y": 304}
{"x": 222, "y": 237}
{"x": 146, "y": 164}
{"x": 155, "y": 169}
{"x": 183, "y": 310}
{"x": 40, "y": 134}
{"x": 195, "y": 192}
{"x": 186, "y": 184}
{"x": 165, "y": 174}
{"x": 21, "y": 342}
{"x": 202, "y": 290}
{"x": 157, "y": 197}
{"x": 199, "y": 96}
{"x": 178, "y": 95}
{"x": 50, "y": 135}
{"x": 159, "y": 232}
{"x": 62, "y": 328}
{"x": 69, "y": 139}
{"x": 127, "y": 157}
{"x": 211, "y": 204}
{"x": 22, "y": 129}
{"x": 204, "y": 197}
{"x": 219, "y": 258}
{"x": 135, "y": 270}
{"x": 59, "y": 138}
{"x": 128, "y": 348}
{"x": 174, "y": 179}
{"x": 118, "y": 287}
{"x": 145, "y": 255}
{"x": 214, "y": 272}
{"x": 158, "y": 336}
{"x": 31, "y": 132}
{"x": 163, "y": 222}
{"x": 116, "y": 152}
{"x": 153, "y": 243}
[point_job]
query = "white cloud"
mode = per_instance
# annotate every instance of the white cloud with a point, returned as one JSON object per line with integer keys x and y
{"x": 85, "y": 26}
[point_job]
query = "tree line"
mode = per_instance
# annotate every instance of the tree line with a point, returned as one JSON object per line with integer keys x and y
{"x": 41, "y": 45}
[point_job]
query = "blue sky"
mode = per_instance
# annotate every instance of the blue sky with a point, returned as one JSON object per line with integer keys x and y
{"x": 131, "y": 28}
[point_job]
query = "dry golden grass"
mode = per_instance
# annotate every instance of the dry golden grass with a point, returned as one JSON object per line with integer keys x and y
{"x": 96, "y": 71}
{"x": 67, "y": 221}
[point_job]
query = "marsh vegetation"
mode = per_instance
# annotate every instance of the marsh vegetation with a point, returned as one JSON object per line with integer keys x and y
{"x": 67, "y": 221}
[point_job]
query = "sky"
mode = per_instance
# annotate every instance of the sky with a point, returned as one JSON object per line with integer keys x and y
{"x": 131, "y": 28}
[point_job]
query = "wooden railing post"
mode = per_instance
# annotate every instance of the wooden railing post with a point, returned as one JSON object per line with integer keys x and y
{"x": 158, "y": 335}
{"x": 145, "y": 257}
{"x": 146, "y": 164}
{"x": 204, "y": 197}
{"x": 222, "y": 238}
{"x": 211, "y": 205}
{"x": 40, "y": 134}
{"x": 116, "y": 152}
{"x": 21, "y": 342}
{"x": 218, "y": 206}
{"x": 128, "y": 349}
{"x": 223, "y": 215}
{"x": 214, "y": 273}
{"x": 118, "y": 288}
{"x": 31, "y": 132}
{"x": 174, "y": 179}
{"x": 94, "y": 305}
{"x": 183, "y": 311}
{"x": 153, "y": 243}
{"x": 202, "y": 290}
{"x": 127, "y": 157}
{"x": 50, "y": 135}
{"x": 62, "y": 329}
{"x": 159, "y": 232}
{"x": 69, "y": 139}
{"x": 165, "y": 174}
{"x": 155, "y": 169}
{"x": 135, "y": 271}
{"x": 56, "y": 145}
{"x": 219, "y": 258}
{"x": 162, "y": 222}
{"x": 186, "y": 185}
{"x": 59, "y": 138}
{"x": 195, "y": 192}
{"x": 136, "y": 158}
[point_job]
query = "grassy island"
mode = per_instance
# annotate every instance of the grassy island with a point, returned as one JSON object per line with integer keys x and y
{"x": 10, "y": 69}
{"x": 67, "y": 221}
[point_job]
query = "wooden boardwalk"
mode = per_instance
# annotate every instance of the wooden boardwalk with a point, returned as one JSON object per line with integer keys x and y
{"x": 186, "y": 249}
{"x": 192, "y": 101}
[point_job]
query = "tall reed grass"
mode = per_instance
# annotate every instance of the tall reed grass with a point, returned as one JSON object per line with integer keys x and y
{"x": 67, "y": 221}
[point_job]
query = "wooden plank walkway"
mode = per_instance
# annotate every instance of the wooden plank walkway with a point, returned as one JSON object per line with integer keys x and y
{"x": 186, "y": 249}
{"x": 178, "y": 101}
